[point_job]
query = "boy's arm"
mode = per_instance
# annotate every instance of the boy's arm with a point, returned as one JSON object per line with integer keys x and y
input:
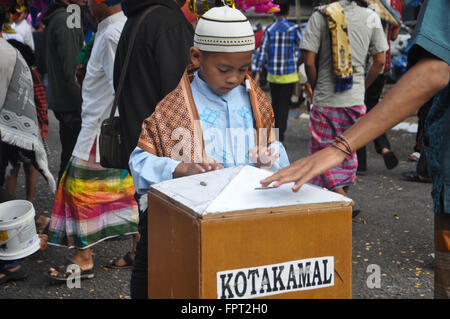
{"x": 147, "y": 169}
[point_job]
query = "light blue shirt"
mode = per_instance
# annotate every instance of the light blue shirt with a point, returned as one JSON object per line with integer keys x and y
{"x": 228, "y": 134}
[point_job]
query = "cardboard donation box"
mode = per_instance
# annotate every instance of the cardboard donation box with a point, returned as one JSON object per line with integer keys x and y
{"x": 216, "y": 235}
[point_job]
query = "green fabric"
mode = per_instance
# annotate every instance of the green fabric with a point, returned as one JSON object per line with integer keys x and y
{"x": 432, "y": 32}
{"x": 85, "y": 54}
{"x": 283, "y": 79}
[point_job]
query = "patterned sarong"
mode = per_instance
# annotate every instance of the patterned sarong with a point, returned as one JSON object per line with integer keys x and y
{"x": 325, "y": 123}
{"x": 92, "y": 204}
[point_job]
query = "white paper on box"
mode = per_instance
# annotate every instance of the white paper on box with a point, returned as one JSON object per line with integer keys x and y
{"x": 233, "y": 189}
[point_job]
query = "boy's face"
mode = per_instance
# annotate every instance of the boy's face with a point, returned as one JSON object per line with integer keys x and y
{"x": 222, "y": 71}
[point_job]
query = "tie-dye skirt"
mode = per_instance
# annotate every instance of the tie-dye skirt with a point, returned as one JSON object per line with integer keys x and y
{"x": 325, "y": 123}
{"x": 92, "y": 204}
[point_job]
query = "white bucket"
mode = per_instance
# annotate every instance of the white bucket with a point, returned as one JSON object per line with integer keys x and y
{"x": 18, "y": 236}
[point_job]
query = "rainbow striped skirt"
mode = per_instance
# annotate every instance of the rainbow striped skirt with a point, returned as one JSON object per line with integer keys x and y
{"x": 92, "y": 204}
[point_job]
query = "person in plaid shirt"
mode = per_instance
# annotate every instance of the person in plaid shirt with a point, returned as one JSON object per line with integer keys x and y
{"x": 280, "y": 51}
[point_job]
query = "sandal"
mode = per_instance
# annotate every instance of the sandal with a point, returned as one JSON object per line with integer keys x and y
{"x": 412, "y": 176}
{"x": 17, "y": 275}
{"x": 390, "y": 160}
{"x": 63, "y": 274}
{"x": 129, "y": 262}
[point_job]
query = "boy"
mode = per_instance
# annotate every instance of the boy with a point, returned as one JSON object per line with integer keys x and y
{"x": 231, "y": 124}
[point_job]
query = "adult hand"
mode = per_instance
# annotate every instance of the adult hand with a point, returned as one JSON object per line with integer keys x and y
{"x": 306, "y": 168}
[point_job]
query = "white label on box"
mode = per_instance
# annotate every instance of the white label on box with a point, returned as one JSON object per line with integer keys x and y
{"x": 304, "y": 274}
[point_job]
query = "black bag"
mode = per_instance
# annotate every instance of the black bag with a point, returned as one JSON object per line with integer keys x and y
{"x": 111, "y": 147}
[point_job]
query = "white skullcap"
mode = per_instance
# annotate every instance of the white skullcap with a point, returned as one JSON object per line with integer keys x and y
{"x": 224, "y": 29}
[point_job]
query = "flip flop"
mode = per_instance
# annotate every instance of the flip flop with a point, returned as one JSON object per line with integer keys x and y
{"x": 390, "y": 160}
{"x": 63, "y": 275}
{"x": 412, "y": 176}
{"x": 17, "y": 275}
{"x": 128, "y": 262}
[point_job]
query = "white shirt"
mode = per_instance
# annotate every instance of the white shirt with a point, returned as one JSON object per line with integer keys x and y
{"x": 13, "y": 36}
{"x": 98, "y": 89}
{"x": 24, "y": 29}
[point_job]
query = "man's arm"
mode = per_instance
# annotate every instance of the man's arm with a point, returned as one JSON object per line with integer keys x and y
{"x": 415, "y": 87}
{"x": 311, "y": 68}
{"x": 379, "y": 60}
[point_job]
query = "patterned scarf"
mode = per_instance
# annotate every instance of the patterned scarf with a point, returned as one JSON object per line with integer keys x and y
{"x": 178, "y": 110}
{"x": 384, "y": 10}
{"x": 340, "y": 45}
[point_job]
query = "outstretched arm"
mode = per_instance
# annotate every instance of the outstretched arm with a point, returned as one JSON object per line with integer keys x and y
{"x": 417, "y": 86}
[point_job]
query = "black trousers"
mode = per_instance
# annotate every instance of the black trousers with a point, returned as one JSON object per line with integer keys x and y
{"x": 281, "y": 100}
{"x": 139, "y": 274}
{"x": 69, "y": 128}
{"x": 371, "y": 99}
{"x": 422, "y": 115}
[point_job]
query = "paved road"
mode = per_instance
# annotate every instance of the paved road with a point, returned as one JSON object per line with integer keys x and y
{"x": 396, "y": 232}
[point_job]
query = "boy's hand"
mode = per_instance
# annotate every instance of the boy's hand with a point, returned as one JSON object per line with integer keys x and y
{"x": 186, "y": 169}
{"x": 263, "y": 157}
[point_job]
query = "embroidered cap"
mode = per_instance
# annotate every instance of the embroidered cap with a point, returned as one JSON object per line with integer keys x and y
{"x": 224, "y": 29}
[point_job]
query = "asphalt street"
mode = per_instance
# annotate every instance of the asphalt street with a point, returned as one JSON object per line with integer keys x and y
{"x": 394, "y": 232}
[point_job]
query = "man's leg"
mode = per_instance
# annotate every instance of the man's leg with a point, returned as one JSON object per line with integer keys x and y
{"x": 284, "y": 104}
{"x": 139, "y": 274}
{"x": 30, "y": 180}
{"x": 275, "y": 96}
{"x": 11, "y": 179}
{"x": 382, "y": 145}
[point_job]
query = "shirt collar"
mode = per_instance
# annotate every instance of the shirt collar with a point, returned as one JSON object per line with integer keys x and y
{"x": 110, "y": 20}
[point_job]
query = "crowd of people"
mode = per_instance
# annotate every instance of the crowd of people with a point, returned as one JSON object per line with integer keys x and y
{"x": 167, "y": 69}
